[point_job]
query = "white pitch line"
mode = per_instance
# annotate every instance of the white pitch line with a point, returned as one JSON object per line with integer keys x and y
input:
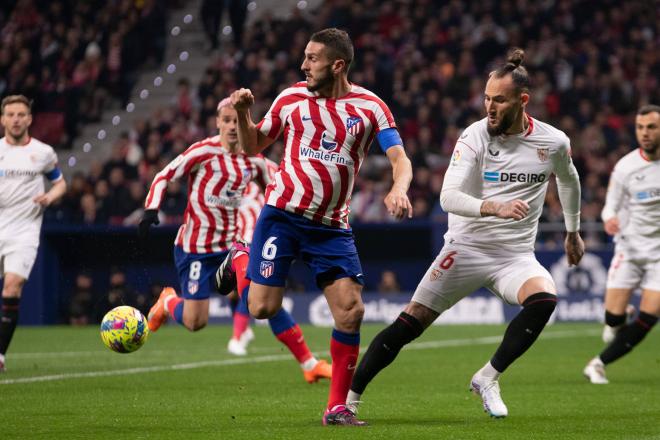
{"x": 276, "y": 358}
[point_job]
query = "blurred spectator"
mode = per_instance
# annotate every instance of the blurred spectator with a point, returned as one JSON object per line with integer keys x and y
{"x": 82, "y": 300}
{"x": 211, "y": 13}
{"x": 118, "y": 294}
{"x": 389, "y": 282}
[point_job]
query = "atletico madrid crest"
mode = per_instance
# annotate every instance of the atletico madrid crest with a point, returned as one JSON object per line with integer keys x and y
{"x": 267, "y": 268}
{"x": 353, "y": 125}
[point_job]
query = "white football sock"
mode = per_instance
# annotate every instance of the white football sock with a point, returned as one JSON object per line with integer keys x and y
{"x": 309, "y": 364}
{"x": 489, "y": 371}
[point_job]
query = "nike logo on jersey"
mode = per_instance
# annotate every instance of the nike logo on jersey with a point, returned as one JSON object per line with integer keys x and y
{"x": 306, "y": 118}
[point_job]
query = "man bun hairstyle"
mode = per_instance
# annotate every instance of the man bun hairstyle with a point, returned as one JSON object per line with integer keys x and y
{"x": 339, "y": 44}
{"x": 648, "y": 108}
{"x": 515, "y": 68}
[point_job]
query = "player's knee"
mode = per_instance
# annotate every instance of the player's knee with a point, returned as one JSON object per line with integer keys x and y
{"x": 262, "y": 310}
{"x": 543, "y": 303}
{"x": 195, "y": 324}
{"x": 349, "y": 317}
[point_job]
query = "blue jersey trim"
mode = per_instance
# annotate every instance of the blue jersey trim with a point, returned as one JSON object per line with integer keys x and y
{"x": 54, "y": 174}
{"x": 388, "y": 138}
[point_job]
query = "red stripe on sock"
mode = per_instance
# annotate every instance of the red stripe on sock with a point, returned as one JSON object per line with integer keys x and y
{"x": 240, "y": 264}
{"x": 344, "y": 360}
{"x": 241, "y": 323}
{"x": 171, "y": 304}
{"x": 295, "y": 341}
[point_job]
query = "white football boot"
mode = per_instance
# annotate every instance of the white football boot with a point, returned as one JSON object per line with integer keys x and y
{"x": 236, "y": 348}
{"x": 489, "y": 391}
{"x": 595, "y": 372}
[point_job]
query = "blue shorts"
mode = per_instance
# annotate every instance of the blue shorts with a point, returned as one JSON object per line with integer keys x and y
{"x": 280, "y": 236}
{"x": 196, "y": 272}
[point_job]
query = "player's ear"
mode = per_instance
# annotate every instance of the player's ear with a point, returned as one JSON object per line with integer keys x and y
{"x": 338, "y": 66}
{"x": 524, "y": 98}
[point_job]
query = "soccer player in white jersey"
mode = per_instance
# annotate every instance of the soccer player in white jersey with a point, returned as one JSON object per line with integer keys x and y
{"x": 493, "y": 191}
{"x": 635, "y": 184}
{"x": 218, "y": 173}
{"x": 328, "y": 125}
{"x": 24, "y": 161}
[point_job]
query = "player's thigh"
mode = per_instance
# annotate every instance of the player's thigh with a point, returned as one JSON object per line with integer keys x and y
{"x": 651, "y": 288}
{"x": 17, "y": 262}
{"x": 624, "y": 274}
{"x": 274, "y": 246}
{"x": 196, "y": 273}
{"x": 616, "y": 300}
{"x": 518, "y": 277}
{"x": 454, "y": 274}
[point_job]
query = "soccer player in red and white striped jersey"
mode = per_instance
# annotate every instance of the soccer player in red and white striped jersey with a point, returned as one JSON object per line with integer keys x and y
{"x": 327, "y": 124}
{"x": 218, "y": 175}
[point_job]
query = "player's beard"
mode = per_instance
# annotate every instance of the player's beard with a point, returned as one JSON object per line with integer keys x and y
{"x": 652, "y": 148}
{"x": 16, "y": 138}
{"x": 507, "y": 121}
{"x": 322, "y": 81}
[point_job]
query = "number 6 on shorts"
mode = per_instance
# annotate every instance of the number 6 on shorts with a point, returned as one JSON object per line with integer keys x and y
{"x": 269, "y": 251}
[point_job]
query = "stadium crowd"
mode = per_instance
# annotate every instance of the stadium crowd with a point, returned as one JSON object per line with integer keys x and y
{"x": 591, "y": 69}
{"x": 71, "y": 57}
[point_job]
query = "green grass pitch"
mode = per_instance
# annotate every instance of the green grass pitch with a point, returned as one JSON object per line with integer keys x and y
{"x": 62, "y": 383}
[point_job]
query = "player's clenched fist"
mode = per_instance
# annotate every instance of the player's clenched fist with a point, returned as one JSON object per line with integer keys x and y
{"x": 515, "y": 209}
{"x": 242, "y": 99}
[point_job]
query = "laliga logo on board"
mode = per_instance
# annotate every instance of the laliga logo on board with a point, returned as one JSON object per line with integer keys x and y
{"x": 589, "y": 277}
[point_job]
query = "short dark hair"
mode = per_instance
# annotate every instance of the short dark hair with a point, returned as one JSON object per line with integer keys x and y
{"x": 16, "y": 99}
{"x": 514, "y": 68}
{"x": 648, "y": 108}
{"x": 338, "y": 42}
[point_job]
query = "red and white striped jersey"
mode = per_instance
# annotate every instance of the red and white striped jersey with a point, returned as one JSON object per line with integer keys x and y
{"x": 253, "y": 201}
{"x": 216, "y": 182}
{"x": 326, "y": 141}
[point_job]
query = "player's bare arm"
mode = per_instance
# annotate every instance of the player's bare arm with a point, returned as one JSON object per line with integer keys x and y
{"x": 515, "y": 209}
{"x": 612, "y": 226}
{"x": 574, "y": 247}
{"x": 251, "y": 140}
{"x": 397, "y": 202}
{"x": 55, "y": 193}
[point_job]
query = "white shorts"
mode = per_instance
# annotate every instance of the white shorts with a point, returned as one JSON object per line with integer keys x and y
{"x": 17, "y": 258}
{"x": 460, "y": 270}
{"x": 631, "y": 274}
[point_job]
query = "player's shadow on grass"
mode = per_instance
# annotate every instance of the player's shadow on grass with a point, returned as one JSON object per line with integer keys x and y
{"x": 417, "y": 421}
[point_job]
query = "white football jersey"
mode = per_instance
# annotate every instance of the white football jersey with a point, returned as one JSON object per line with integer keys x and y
{"x": 22, "y": 171}
{"x": 634, "y": 191}
{"x": 505, "y": 168}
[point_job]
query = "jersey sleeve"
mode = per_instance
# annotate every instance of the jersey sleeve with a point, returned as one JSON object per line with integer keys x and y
{"x": 272, "y": 125}
{"x": 455, "y": 196}
{"x": 51, "y": 169}
{"x": 616, "y": 192}
{"x": 262, "y": 175}
{"x": 568, "y": 185}
{"x": 384, "y": 118}
{"x": 182, "y": 165}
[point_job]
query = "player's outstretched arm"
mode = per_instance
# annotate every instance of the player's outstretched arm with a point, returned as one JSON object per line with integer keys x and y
{"x": 396, "y": 201}
{"x": 251, "y": 140}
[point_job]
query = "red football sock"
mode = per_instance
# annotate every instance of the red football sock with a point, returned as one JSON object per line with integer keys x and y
{"x": 172, "y": 305}
{"x": 344, "y": 359}
{"x": 295, "y": 341}
{"x": 240, "y": 264}
{"x": 241, "y": 323}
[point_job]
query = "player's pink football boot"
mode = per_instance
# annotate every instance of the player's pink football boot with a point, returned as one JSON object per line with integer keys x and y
{"x": 340, "y": 415}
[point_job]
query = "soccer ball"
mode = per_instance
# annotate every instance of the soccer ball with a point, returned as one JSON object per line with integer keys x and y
{"x": 124, "y": 329}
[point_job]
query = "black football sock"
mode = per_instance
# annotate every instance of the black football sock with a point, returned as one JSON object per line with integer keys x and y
{"x": 8, "y": 321}
{"x": 384, "y": 349}
{"x": 628, "y": 336}
{"x": 524, "y": 329}
{"x": 614, "y": 320}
